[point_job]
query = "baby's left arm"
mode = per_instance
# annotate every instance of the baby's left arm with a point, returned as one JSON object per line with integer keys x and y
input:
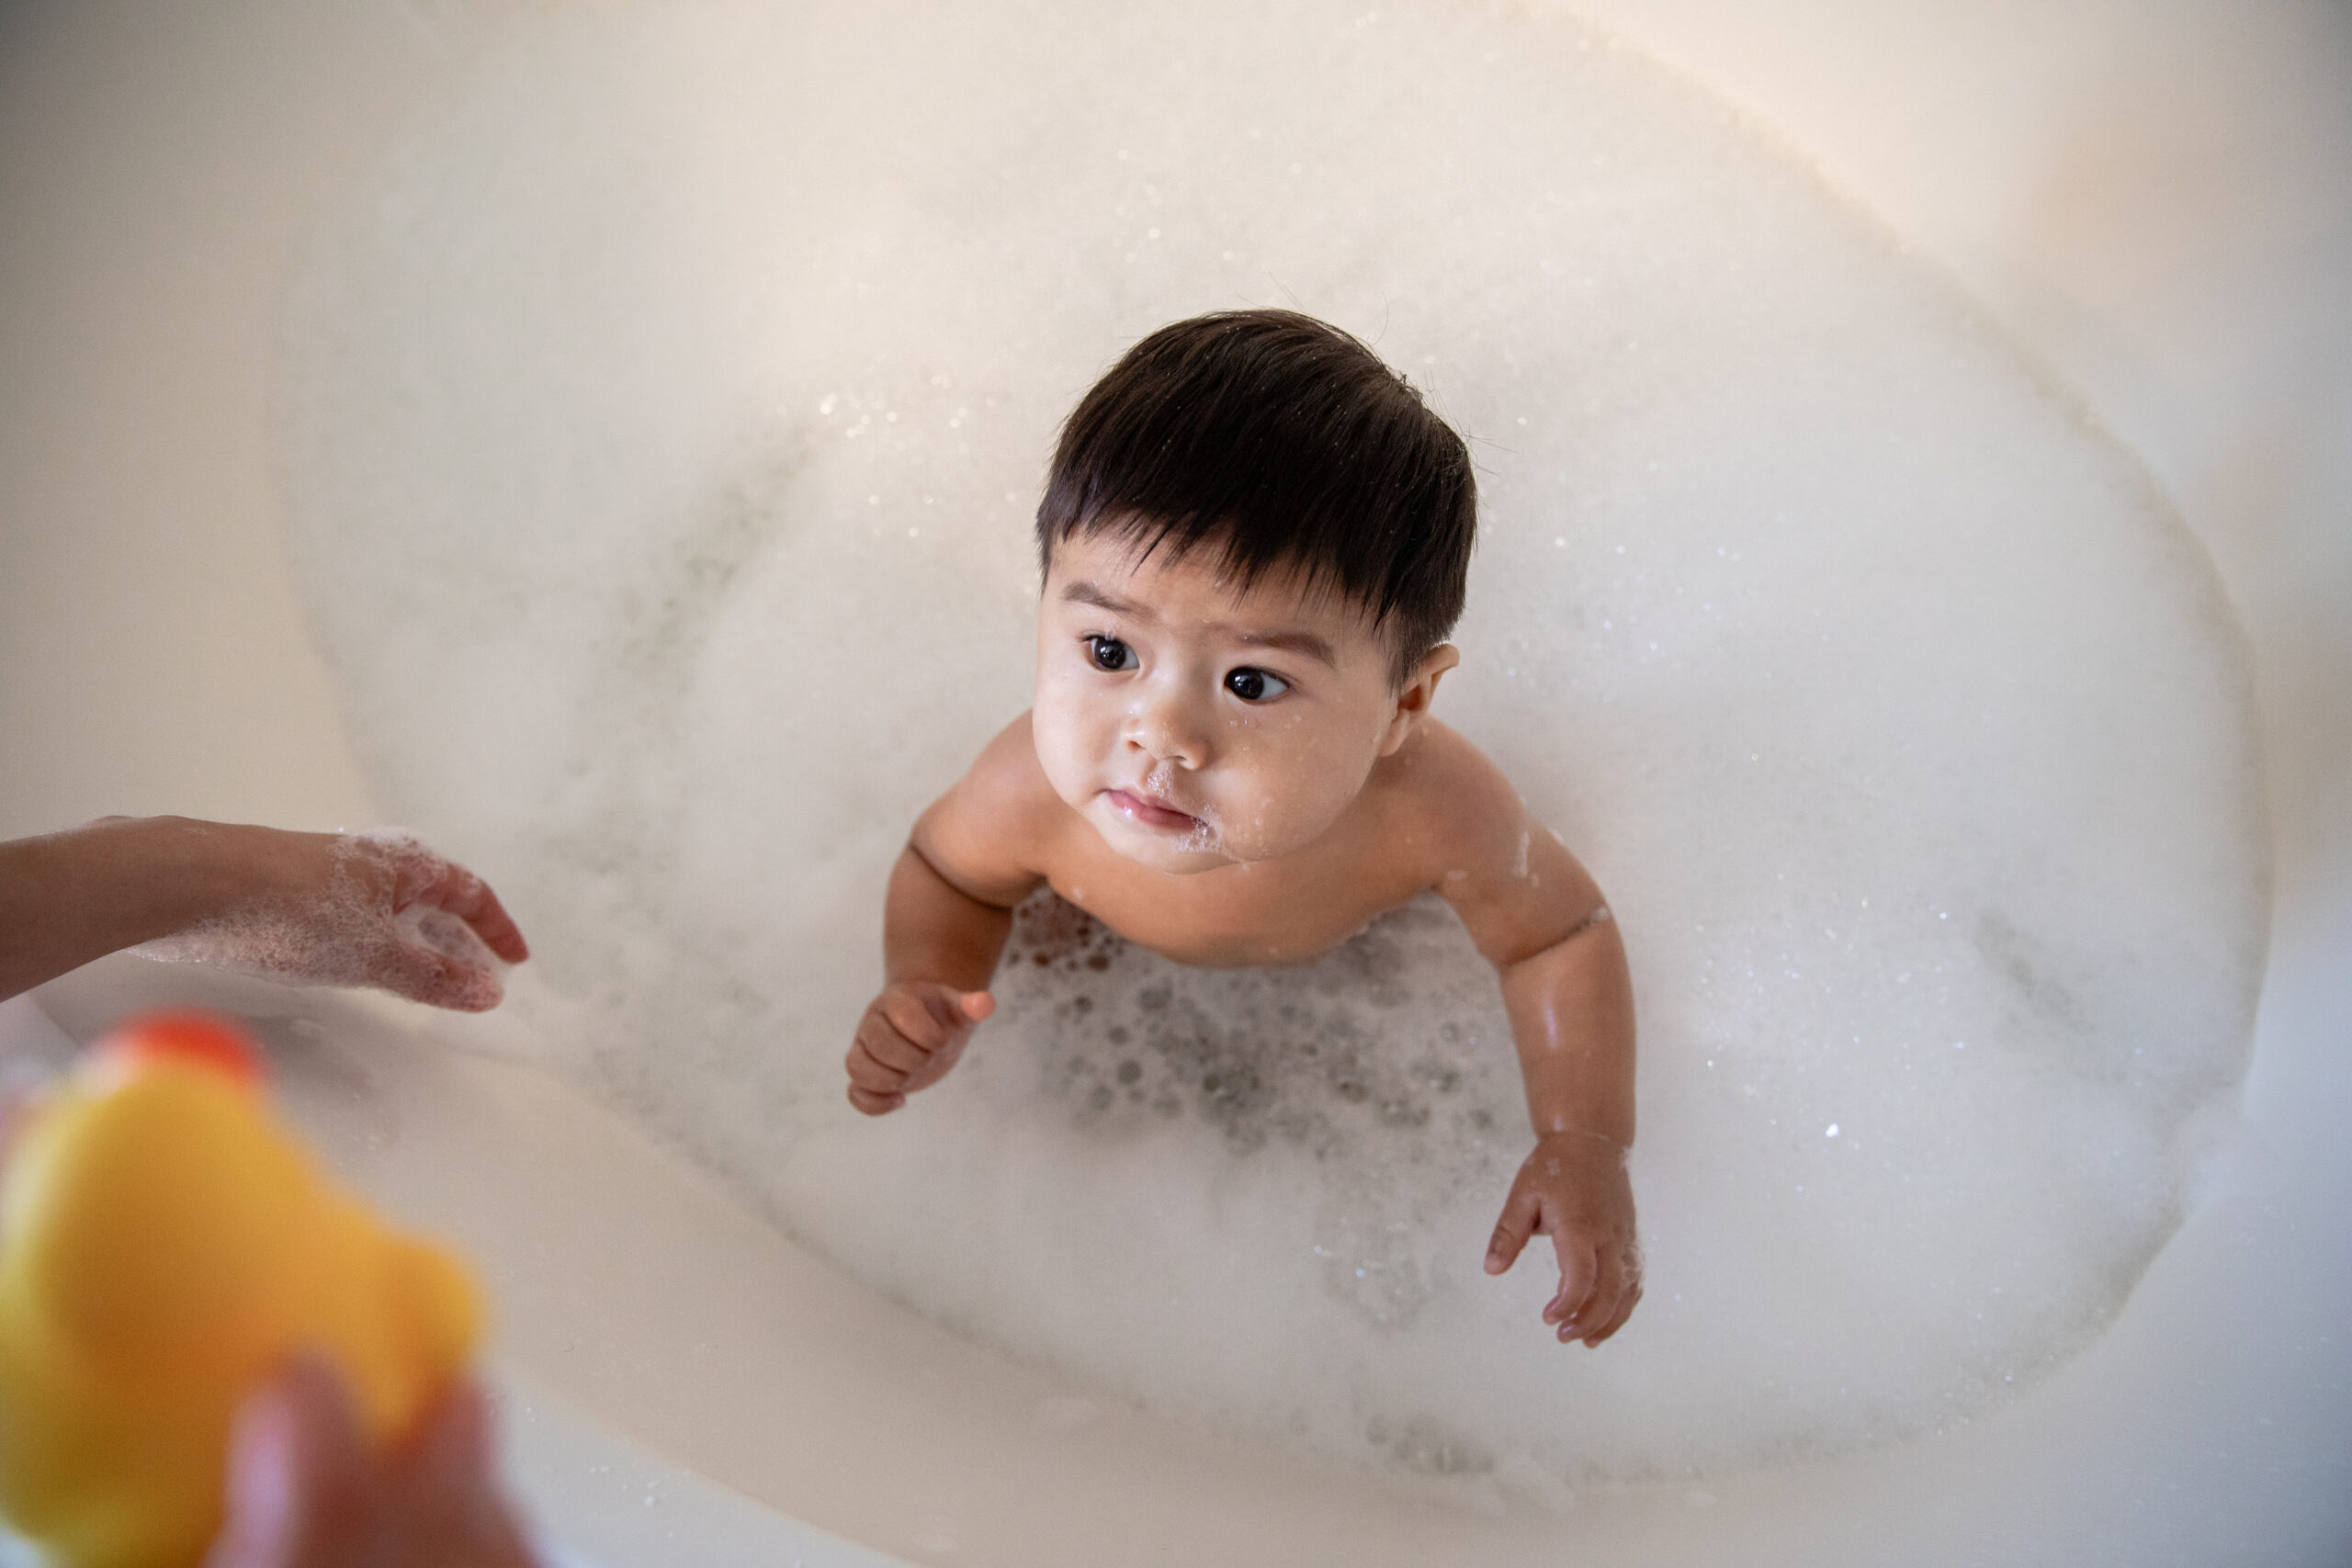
{"x": 1541, "y": 920}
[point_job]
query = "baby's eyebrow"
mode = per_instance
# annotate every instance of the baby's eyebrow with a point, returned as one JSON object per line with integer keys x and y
{"x": 1083, "y": 592}
{"x": 1308, "y": 643}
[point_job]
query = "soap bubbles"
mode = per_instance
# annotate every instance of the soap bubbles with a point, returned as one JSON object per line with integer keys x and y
{"x": 666, "y": 411}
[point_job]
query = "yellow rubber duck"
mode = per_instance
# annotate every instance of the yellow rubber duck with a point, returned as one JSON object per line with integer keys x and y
{"x": 164, "y": 1245}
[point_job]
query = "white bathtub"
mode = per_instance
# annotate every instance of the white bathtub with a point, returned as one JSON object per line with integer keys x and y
{"x": 2158, "y": 200}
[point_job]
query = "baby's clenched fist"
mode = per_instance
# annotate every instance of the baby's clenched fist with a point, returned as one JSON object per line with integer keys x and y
{"x": 911, "y": 1034}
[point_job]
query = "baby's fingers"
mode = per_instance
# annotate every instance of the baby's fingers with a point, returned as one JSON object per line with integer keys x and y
{"x": 1579, "y": 1274}
{"x": 868, "y": 1067}
{"x": 880, "y": 1039}
{"x": 873, "y": 1103}
{"x": 1521, "y": 1215}
{"x": 925, "y": 1024}
{"x": 1625, "y": 1306}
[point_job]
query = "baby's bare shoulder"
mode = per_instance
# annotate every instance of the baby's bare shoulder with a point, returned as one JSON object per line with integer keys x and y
{"x": 992, "y": 834}
{"x": 1515, "y": 885}
{"x": 1452, "y": 797}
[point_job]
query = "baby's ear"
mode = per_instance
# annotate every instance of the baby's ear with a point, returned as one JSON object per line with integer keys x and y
{"x": 1414, "y": 698}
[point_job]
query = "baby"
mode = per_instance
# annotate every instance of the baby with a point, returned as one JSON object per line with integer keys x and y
{"x": 1255, "y": 540}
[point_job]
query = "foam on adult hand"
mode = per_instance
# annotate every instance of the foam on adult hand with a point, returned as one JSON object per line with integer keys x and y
{"x": 354, "y": 931}
{"x": 667, "y": 414}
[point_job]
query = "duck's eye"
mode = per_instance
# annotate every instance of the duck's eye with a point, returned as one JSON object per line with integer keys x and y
{"x": 1255, "y": 686}
{"x": 1110, "y": 653}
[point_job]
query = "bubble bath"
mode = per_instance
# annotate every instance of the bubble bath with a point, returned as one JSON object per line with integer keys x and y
{"x": 667, "y": 411}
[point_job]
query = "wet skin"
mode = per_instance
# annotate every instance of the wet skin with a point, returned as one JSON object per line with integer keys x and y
{"x": 1232, "y": 778}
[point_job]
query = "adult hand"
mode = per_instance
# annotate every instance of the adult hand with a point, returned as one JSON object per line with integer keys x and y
{"x": 305, "y": 1489}
{"x": 374, "y": 909}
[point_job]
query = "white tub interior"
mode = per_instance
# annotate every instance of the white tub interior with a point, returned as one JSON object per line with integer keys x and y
{"x": 2157, "y": 206}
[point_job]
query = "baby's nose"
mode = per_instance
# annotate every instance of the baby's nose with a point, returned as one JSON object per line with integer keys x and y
{"x": 1168, "y": 728}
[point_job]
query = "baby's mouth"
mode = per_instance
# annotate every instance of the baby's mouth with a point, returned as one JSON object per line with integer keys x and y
{"x": 1151, "y": 813}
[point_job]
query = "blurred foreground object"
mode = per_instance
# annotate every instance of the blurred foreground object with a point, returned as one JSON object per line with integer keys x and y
{"x": 165, "y": 1247}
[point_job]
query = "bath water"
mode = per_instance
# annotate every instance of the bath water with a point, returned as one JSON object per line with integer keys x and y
{"x": 668, "y": 407}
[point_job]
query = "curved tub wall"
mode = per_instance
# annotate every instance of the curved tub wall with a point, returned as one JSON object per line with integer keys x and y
{"x": 2158, "y": 203}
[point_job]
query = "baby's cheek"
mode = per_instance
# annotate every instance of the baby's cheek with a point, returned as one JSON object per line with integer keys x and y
{"x": 1062, "y": 751}
{"x": 1276, "y": 817}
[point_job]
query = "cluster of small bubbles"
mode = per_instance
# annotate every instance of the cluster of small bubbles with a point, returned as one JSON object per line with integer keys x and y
{"x": 1320, "y": 1058}
{"x": 1389, "y": 1056}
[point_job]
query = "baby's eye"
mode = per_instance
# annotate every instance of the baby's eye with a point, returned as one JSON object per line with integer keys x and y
{"x": 1255, "y": 686}
{"x": 1110, "y": 653}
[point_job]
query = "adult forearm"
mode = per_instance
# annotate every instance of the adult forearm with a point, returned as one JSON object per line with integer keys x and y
{"x": 932, "y": 929}
{"x": 1571, "y": 1010}
{"x": 69, "y": 897}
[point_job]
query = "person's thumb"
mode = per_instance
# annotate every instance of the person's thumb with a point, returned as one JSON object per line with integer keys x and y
{"x": 976, "y": 1005}
{"x": 298, "y": 1472}
{"x": 1519, "y": 1220}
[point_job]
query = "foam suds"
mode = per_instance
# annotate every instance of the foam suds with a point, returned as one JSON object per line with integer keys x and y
{"x": 668, "y": 408}
{"x": 351, "y": 934}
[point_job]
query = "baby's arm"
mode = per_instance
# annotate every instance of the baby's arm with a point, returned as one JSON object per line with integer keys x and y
{"x": 1572, "y": 1015}
{"x": 943, "y": 924}
{"x": 322, "y": 908}
{"x": 1540, "y": 918}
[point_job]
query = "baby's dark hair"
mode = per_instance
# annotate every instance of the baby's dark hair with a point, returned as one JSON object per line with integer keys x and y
{"x": 1283, "y": 444}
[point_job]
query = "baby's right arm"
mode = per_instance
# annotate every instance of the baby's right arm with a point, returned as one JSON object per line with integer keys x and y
{"x": 944, "y": 925}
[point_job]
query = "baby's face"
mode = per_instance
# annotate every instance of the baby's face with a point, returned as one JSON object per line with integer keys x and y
{"x": 1194, "y": 727}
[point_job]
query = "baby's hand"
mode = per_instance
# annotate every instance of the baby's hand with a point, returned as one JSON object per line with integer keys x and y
{"x": 908, "y": 1039}
{"x": 374, "y": 909}
{"x": 1573, "y": 1188}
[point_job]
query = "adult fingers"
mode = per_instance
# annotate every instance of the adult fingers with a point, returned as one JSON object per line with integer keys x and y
{"x": 1521, "y": 1213}
{"x": 445, "y": 1490}
{"x": 297, "y": 1485}
{"x": 424, "y": 876}
{"x": 427, "y": 974}
{"x": 471, "y": 900}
